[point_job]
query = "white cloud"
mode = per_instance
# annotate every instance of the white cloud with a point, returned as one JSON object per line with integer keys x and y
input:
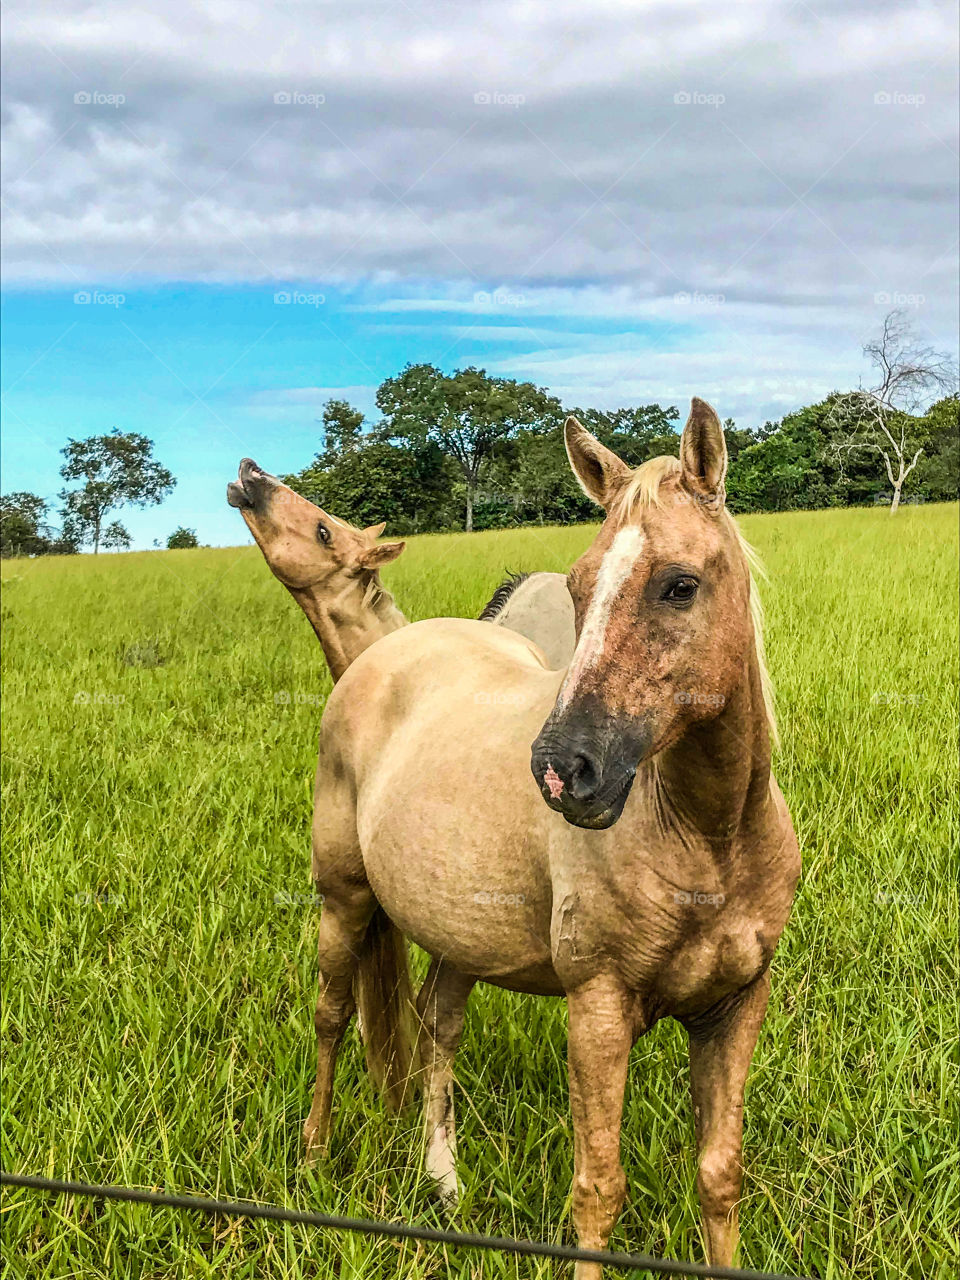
{"x": 577, "y": 181}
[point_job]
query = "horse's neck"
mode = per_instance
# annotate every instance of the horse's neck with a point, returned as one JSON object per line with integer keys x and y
{"x": 348, "y": 623}
{"x": 717, "y": 777}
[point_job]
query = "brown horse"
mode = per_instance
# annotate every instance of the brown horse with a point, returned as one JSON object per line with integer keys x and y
{"x": 332, "y": 571}
{"x": 423, "y": 826}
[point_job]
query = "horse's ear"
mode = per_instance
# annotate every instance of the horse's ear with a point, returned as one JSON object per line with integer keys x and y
{"x": 703, "y": 454}
{"x": 598, "y": 470}
{"x": 375, "y": 530}
{"x": 381, "y": 554}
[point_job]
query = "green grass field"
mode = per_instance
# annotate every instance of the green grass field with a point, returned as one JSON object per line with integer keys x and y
{"x": 158, "y": 938}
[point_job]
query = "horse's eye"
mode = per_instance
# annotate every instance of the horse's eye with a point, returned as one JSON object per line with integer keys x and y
{"x": 681, "y": 590}
{"x": 323, "y": 533}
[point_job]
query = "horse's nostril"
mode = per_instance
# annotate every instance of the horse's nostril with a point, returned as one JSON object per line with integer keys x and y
{"x": 583, "y": 778}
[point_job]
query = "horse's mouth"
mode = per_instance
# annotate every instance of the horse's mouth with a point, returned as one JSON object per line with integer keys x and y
{"x": 591, "y": 818}
{"x": 600, "y": 822}
{"x": 244, "y": 492}
{"x": 237, "y": 495}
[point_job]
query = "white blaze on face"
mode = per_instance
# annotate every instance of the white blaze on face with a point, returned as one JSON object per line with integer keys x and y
{"x": 615, "y": 567}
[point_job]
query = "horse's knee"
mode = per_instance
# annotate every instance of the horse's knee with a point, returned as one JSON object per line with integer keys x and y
{"x": 442, "y": 1024}
{"x": 719, "y": 1180}
{"x": 331, "y": 1020}
{"x": 598, "y": 1197}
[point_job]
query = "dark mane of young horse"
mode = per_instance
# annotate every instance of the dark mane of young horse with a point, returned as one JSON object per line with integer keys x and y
{"x": 497, "y": 602}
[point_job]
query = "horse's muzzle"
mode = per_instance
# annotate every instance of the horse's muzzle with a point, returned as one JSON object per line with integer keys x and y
{"x": 585, "y": 768}
{"x": 252, "y": 487}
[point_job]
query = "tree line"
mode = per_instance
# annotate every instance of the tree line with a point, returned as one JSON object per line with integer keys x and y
{"x": 468, "y": 450}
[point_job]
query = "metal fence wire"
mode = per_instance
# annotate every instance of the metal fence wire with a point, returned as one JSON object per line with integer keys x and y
{"x": 627, "y": 1262}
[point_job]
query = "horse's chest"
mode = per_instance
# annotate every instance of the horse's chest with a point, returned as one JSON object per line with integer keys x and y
{"x": 711, "y": 962}
{"x": 682, "y": 951}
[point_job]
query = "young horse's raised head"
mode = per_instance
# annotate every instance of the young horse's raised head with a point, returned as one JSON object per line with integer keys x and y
{"x": 665, "y": 631}
{"x": 303, "y": 545}
{"x": 329, "y": 567}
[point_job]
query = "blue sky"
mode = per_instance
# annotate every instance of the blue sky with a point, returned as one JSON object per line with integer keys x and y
{"x": 720, "y": 202}
{"x": 211, "y": 373}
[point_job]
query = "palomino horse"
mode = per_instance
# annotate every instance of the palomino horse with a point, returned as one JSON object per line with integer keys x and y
{"x": 330, "y": 568}
{"x": 662, "y": 726}
{"x": 332, "y": 571}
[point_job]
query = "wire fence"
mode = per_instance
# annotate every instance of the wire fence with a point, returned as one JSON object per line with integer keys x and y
{"x": 627, "y": 1262}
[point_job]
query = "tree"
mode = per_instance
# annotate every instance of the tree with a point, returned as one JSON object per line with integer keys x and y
{"x": 24, "y": 530}
{"x": 22, "y": 524}
{"x": 789, "y": 464}
{"x": 465, "y": 415}
{"x": 533, "y": 483}
{"x": 884, "y": 419}
{"x": 408, "y": 486}
{"x": 79, "y": 517}
{"x": 115, "y": 469}
{"x": 938, "y": 472}
{"x": 116, "y": 538}
{"x": 529, "y": 479}
{"x": 738, "y": 439}
{"x": 635, "y": 434}
{"x": 182, "y": 539}
{"x": 342, "y": 425}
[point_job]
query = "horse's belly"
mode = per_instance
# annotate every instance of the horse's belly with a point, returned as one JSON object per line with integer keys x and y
{"x": 539, "y": 981}
{"x": 471, "y": 891}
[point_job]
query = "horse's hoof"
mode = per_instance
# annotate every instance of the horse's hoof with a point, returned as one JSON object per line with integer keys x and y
{"x": 314, "y": 1146}
{"x": 449, "y": 1200}
{"x": 442, "y": 1168}
{"x": 448, "y": 1193}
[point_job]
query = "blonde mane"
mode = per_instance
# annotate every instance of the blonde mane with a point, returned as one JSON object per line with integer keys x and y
{"x": 643, "y": 487}
{"x": 643, "y": 490}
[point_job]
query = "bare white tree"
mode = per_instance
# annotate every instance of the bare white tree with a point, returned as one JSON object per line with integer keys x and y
{"x": 884, "y": 418}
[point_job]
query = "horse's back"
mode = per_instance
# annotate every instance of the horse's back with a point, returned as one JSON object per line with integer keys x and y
{"x": 465, "y": 694}
{"x": 411, "y": 669}
{"x": 541, "y": 608}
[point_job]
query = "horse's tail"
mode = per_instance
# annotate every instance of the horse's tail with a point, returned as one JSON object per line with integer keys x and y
{"x": 384, "y": 996}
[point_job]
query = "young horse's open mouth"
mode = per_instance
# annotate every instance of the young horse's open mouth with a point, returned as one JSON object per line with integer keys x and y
{"x": 236, "y": 495}
{"x": 247, "y": 489}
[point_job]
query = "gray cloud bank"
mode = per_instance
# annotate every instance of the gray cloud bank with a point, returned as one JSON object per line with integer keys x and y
{"x": 791, "y": 164}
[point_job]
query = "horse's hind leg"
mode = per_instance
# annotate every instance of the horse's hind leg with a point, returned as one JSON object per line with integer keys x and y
{"x": 719, "y": 1061}
{"x": 440, "y": 1010}
{"x": 343, "y": 924}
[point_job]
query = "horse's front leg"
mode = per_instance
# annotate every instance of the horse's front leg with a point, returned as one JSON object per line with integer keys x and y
{"x": 719, "y": 1061}
{"x": 440, "y": 1009}
{"x": 598, "y": 1047}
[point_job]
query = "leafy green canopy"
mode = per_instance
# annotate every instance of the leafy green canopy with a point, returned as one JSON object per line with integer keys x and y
{"x": 400, "y": 471}
{"x": 115, "y": 470}
{"x": 182, "y": 539}
{"x": 466, "y": 415}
